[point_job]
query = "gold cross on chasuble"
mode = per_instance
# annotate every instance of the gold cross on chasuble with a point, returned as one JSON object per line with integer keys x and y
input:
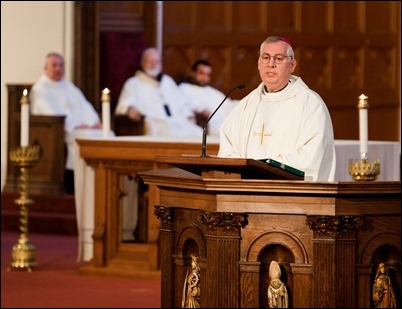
{"x": 263, "y": 133}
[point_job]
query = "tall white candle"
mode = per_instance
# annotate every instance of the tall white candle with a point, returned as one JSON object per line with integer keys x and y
{"x": 24, "y": 119}
{"x": 105, "y": 112}
{"x": 363, "y": 125}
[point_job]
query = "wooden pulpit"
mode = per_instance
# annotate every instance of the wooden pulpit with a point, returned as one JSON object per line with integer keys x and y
{"x": 229, "y": 168}
{"x": 327, "y": 237}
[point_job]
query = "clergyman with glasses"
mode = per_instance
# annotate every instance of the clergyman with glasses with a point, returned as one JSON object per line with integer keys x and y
{"x": 282, "y": 119}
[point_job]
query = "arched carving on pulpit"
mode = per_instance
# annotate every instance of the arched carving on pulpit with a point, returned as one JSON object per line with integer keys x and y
{"x": 283, "y": 247}
{"x": 190, "y": 241}
{"x": 190, "y": 247}
{"x": 385, "y": 279}
{"x": 382, "y": 247}
{"x": 284, "y": 257}
{"x": 390, "y": 257}
{"x": 367, "y": 249}
{"x": 281, "y": 237}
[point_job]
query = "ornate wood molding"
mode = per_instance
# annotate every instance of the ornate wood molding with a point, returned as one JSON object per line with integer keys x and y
{"x": 338, "y": 227}
{"x": 223, "y": 223}
{"x": 165, "y": 215}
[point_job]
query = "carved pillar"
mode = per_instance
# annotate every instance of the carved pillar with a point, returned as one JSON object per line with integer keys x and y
{"x": 223, "y": 254}
{"x": 100, "y": 244}
{"x": 334, "y": 248}
{"x": 166, "y": 236}
{"x": 363, "y": 285}
{"x": 302, "y": 291}
{"x": 179, "y": 274}
{"x": 249, "y": 284}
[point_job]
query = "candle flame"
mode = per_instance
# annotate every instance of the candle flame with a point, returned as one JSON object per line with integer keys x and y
{"x": 106, "y": 91}
{"x": 363, "y": 97}
{"x": 363, "y": 102}
{"x": 25, "y": 92}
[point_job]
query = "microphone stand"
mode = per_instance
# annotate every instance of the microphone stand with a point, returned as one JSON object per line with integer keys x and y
{"x": 204, "y": 131}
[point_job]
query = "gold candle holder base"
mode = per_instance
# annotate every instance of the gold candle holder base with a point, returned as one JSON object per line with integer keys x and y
{"x": 23, "y": 252}
{"x": 364, "y": 169}
{"x": 23, "y": 255}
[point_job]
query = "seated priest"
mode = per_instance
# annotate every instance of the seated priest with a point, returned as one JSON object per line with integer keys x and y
{"x": 156, "y": 98}
{"x": 53, "y": 95}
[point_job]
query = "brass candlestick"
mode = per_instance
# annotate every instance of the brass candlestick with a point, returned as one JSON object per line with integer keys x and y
{"x": 23, "y": 252}
{"x": 364, "y": 169}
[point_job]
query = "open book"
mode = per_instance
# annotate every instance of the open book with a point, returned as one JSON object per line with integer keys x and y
{"x": 231, "y": 168}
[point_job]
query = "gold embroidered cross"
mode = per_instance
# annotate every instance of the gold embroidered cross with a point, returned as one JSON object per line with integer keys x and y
{"x": 262, "y": 134}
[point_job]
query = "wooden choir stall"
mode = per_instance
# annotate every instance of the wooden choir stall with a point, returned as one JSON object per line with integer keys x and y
{"x": 327, "y": 237}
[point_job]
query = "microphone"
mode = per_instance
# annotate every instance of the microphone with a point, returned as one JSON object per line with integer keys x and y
{"x": 204, "y": 133}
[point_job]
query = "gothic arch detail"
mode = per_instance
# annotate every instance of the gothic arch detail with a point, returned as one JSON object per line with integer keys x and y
{"x": 283, "y": 238}
{"x": 368, "y": 248}
{"x": 194, "y": 233}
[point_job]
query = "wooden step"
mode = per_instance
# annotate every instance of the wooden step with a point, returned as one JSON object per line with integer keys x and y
{"x": 49, "y": 213}
{"x": 116, "y": 270}
{"x": 132, "y": 261}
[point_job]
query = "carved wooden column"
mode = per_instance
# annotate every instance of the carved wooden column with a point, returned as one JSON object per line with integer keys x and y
{"x": 166, "y": 236}
{"x": 249, "y": 284}
{"x": 301, "y": 294}
{"x": 223, "y": 254}
{"x": 363, "y": 280}
{"x": 334, "y": 261}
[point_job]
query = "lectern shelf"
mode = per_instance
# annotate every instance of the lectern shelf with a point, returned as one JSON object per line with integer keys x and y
{"x": 232, "y": 168}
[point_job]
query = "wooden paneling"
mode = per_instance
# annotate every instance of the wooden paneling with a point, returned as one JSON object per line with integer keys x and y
{"x": 277, "y": 23}
{"x": 86, "y": 50}
{"x": 343, "y": 49}
{"x": 348, "y": 12}
{"x": 382, "y": 17}
{"x": 122, "y": 16}
{"x": 251, "y": 23}
{"x": 315, "y": 17}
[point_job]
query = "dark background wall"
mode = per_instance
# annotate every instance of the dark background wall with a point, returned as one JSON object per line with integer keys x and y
{"x": 343, "y": 49}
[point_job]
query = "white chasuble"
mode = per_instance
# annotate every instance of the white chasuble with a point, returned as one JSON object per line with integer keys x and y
{"x": 292, "y": 126}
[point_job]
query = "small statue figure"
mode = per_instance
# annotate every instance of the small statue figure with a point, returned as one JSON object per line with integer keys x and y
{"x": 191, "y": 288}
{"x": 383, "y": 293}
{"x": 277, "y": 292}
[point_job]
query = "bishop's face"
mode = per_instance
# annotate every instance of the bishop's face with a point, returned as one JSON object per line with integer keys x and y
{"x": 275, "y": 66}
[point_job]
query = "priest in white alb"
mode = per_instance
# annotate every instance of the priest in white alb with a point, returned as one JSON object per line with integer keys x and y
{"x": 203, "y": 98}
{"x": 156, "y": 97}
{"x": 282, "y": 119}
{"x": 53, "y": 95}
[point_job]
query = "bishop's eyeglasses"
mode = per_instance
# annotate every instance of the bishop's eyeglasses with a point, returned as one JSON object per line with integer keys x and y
{"x": 278, "y": 58}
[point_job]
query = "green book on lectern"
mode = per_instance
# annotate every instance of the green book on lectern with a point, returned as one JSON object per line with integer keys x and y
{"x": 283, "y": 166}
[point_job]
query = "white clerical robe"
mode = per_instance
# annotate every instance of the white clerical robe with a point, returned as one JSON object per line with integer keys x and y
{"x": 152, "y": 99}
{"x": 63, "y": 98}
{"x": 48, "y": 97}
{"x": 292, "y": 126}
{"x": 207, "y": 97}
